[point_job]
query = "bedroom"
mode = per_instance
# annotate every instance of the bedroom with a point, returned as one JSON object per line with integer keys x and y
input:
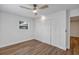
{"x": 25, "y": 25}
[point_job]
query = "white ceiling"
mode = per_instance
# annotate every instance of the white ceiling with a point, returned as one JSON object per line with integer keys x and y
{"x": 15, "y": 9}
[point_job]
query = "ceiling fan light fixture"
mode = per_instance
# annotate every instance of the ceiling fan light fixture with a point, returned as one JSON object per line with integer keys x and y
{"x": 34, "y": 11}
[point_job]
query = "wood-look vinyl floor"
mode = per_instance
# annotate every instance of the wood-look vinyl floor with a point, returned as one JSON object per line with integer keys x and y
{"x": 33, "y": 47}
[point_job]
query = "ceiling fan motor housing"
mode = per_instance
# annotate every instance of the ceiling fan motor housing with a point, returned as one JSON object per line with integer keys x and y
{"x": 35, "y": 6}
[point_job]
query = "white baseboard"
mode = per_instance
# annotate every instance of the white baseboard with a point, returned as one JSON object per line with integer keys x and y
{"x": 12, "y": 43}
{"x": 59, "y": 47}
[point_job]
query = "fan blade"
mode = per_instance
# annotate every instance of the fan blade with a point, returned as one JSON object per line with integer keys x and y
{"x": 43, "y": 7}
{"x": 25, "y": 7}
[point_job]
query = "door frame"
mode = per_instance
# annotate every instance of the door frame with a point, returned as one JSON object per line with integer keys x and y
{"x": 67, "y": 29}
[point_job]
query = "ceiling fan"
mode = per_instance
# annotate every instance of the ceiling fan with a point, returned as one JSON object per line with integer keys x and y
{"x": 35, "y": 8}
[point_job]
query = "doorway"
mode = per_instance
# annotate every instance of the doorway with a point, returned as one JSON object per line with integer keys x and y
{"x": 74, "y": 34}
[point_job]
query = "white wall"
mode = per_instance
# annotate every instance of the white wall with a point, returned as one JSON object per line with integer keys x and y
{"x": 42, "y": 30}
{"x": 9, "y": 29}
{"x": 74, "y": 29}
{"x": 74, "y": 12}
